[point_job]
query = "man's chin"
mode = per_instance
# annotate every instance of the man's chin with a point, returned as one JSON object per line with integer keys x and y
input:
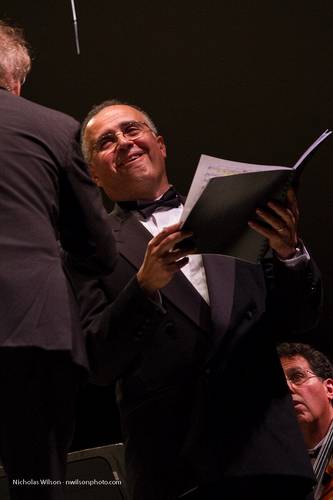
{"x": 303, "y": 417}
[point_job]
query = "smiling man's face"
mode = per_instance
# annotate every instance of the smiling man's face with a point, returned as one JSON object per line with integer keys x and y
{"x": 134, "y": 168}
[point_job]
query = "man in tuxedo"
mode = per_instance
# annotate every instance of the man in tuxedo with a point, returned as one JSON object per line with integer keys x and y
{"x": 203, "y": 402}
{"x": 309, "y": 375}
{"x": 48, "y": 204}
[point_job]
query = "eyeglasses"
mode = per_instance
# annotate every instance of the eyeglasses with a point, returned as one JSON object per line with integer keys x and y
{"x": 130, "y": 130}
{"x": 300, "y": 376}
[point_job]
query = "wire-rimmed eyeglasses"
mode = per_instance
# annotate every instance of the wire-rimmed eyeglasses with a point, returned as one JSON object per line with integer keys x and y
{"x": 130, "y": 130}
{"x": 300, "y": 376}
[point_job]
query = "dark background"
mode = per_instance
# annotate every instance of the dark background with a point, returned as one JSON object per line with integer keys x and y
{"x": 244, "y": 80}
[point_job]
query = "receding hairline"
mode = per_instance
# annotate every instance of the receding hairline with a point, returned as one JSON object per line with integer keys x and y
{"x": 144, "y": 115}
{"x": 96, "y": 110}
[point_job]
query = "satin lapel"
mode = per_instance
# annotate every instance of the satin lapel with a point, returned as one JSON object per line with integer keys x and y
{"x": 184, "y": 296}
{"x": 220, "y": 274}
{"x": 132, "y": 239}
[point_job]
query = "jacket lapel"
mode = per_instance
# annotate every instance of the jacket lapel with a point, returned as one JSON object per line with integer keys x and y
{"x": 220, "y": 275}
{"x": 185, "y": 297}
{"x": 132, "y": 239}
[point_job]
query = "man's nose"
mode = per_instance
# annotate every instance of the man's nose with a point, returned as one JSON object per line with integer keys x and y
{"x": 123, "y": 141}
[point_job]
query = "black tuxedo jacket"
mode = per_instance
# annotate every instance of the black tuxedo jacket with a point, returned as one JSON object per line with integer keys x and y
{"x": 200, "y": 389}
{"x": 46, "y": 195}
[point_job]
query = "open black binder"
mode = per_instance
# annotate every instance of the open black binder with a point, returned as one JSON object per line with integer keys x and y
{"x": 224, "y": 196}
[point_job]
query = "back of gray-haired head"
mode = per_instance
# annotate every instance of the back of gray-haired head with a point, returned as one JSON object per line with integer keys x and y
{"x": 105, "y": 104}
{"x": 15, "y": 62}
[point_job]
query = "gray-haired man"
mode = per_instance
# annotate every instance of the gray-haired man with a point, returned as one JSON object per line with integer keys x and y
{"x": 46, "y": 197}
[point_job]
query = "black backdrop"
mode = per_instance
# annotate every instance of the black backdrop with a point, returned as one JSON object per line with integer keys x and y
{"x": 249, "y": 80}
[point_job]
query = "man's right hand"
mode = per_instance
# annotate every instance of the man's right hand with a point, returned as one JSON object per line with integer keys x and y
{"x": 161, "y": 260}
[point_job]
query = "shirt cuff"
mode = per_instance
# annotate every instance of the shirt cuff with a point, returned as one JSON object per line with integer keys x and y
{"x": 300, "y": 258}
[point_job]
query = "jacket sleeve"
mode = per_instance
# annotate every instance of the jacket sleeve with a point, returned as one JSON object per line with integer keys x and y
{"x": 116, "y": 327}
{"x": 294, "y": 298}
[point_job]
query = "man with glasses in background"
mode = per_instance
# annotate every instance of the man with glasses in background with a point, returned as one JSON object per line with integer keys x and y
{"x": 309, "y": 375}
{"x": 204, "y": 409}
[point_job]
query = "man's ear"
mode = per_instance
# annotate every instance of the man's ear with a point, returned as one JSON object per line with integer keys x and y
{"x": 328, "y": 384}
{"x": 16, "y": 88}
{"x": 94, "y": 175}
{"x": 162, "y": 145}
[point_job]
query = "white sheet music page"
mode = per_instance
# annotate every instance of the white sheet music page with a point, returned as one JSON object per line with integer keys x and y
{"x": 210, "y": 167}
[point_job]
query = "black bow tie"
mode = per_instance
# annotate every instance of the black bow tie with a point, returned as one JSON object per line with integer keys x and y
{"x": 146, "y": 208}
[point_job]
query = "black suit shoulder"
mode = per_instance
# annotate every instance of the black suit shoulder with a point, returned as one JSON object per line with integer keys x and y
{"x": 35, "y": 126}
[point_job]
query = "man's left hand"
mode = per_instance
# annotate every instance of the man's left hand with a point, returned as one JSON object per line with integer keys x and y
{"x": 280, "y": 227}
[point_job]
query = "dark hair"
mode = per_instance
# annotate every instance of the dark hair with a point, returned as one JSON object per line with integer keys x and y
{"x": 15, "y": 62}
{"x": 86, "y": 150}
{"x": 318, "y": 362}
